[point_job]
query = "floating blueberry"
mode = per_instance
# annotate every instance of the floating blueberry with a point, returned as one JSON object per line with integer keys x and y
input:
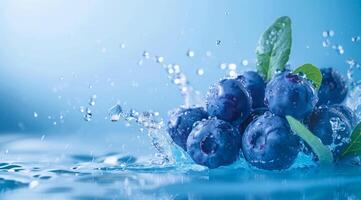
{"x": 268, "y": 143}
{"x": 255, "y": 85}
{"x": 290, "y": 94}
{"x": 333, "y": 125}
{"x": 214, "y": 143}
{"x": 181, "y": 122}
{"x": 228, "y": 100}
{"x": 333, "y": 88}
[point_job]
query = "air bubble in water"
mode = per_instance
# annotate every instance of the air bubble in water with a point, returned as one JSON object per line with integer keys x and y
{"x": 326, "y": 43}
{"x": 122, "y": 45}
{"x": 82, "y": 109}
{"x": 200, "y": 72}
{"x": 35, "y": 114}
{"x": 115, "y": 113}
{"x": 232, "y": 74}
{"x": 190, "y": 53}
{"x": 244, "y": 62}
{"x": 340, "y": 49}
{"x": 218, "y": 42}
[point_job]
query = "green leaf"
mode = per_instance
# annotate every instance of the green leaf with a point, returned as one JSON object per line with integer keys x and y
{"x": 312, "y": 73}
{"x": 354, "y": 147}
{"x": 274, "y": 48}
{"x": 323, "y": 153}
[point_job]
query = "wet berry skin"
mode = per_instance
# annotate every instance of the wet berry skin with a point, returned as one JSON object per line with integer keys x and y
{"x": 255, "y": 85}
{"x": 268, "y": 143}
{"x": 181, "y": 122}
{"x": 228, "y": 100}
{"x": 333, "y": 88}
{"x": 333, "y": 125}
{"x": 251, "y": 117}
{"x": 290, "y": 94}
{"x": 214, "y": 143}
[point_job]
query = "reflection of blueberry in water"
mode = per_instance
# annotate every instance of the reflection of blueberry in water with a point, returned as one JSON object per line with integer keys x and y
{"x": 333, "y": 88}
{"x": 333, "y": 125}
{"x": 181, "y": 122}
{"x": 255, "y": 85}
{"x": 213, "y": 143}
{"x": 290, "y": 94}
{"x": 228, "y": 100}
{"x": 268, "y": 143}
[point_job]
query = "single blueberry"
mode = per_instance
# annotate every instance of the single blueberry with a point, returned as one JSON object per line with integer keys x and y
{"x": 268, "y": 143}
{"x": 181, "y": 122}
{"x": 228, "y": 100}
{"x": 255, "y": 85}
{"x": 333, "y": 88}
{"x": 333, "y": 125}
{"x": 214, "y": 143}
{"x": 290, "y": 94}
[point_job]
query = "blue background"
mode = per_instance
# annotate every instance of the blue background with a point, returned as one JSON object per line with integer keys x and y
{"x": 51, "y": 51}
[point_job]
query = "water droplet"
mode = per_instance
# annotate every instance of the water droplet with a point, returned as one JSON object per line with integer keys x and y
{"x": 42, "y": 138}
{"x": 146, "y": 55}
{"x": 190, "y": 53}
{"x": 140, "y": 62}
{"x": 244, "y": 62}
{"x": 33, "y": 184}
{"x": 115, "y": 113}
{"x": 208, "y": 53}
{"x": 54, "y": 123}
{"x": 160, "y": 59}
{"x": 35, "y": 114}
{"x": 325, "y": 34}
{"x": 82, "y": 109}
{"x": 326, "y": 43}
{"x": 340, "y": 50}
{"x": 232, "y": 66}
{"x": 218, "y": 42}
{"x": 88, "y": 115}
{"x": 92, "y": 100}
{"x": 355, "y": 38}
{"x": 200, "y": 72}
{"x": 331, "y": 33}
{"x": 223, "y": 66}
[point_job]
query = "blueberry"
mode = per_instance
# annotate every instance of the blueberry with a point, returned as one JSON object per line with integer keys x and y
{"x": 251, "y": 117}
{"x": 228, "y": 100}
{"x": 181, "y": 122}
{"x": 255, "y": 85}
{"x": 333, "y": 125}
{"x": 290, "y": 94}
{"x": 268, "y": 143}
{"x": 333, "y": 88}
{"x": 214, "y": 143}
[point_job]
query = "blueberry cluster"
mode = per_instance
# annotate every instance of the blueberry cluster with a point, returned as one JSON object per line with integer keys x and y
{"x": 244, "y": 117}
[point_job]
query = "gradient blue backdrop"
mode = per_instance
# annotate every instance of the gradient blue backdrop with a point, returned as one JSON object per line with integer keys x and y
{"x": 51, "y": 51}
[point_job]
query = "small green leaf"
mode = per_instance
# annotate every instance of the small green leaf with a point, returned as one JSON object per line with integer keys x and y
{"x": 274, "y": 48}
{"x": 354, "y": 147}
{"x": 312, "y": 73}
{"x": 323, "y": 153}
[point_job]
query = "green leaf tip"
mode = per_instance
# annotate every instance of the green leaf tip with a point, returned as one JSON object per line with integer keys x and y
{"x": 312, "y": 73}
{"x": 354, "y": 147}
{"x": 274, "y": 48}
{"x": 323, "y": 153}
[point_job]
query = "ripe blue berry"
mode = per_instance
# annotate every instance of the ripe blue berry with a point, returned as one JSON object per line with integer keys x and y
{"x": 333, "y": 125}
{"x": 268, "y": 143}
{"x": 214, "y": 143}
{"x": 333, "y": 88}
{"x": 181, "y": 122}
{"x": 290, "y": 94}
{"x": 255, "y": 85}
{"x": 228, "y": 100}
